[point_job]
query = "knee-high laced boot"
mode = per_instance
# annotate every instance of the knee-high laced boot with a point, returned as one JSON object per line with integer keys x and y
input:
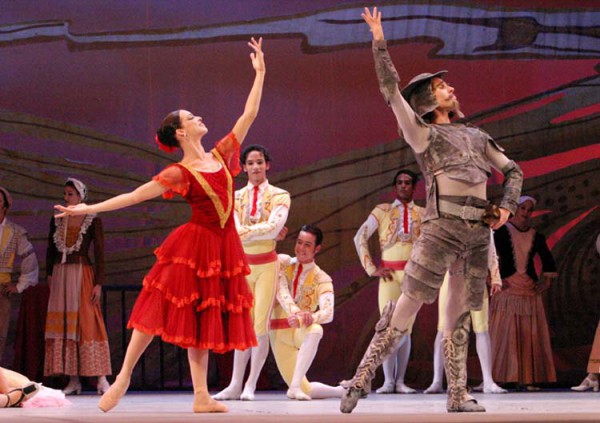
{"x": 384, "y": 342}
{"x": 455, "y": 350}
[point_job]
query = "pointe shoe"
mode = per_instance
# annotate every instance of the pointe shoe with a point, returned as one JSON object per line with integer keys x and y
{"x": 112, "y": 396}
{"x": 27, "y": 392}
{"x": 102, "y": 386}
{"x": 586, "y": 385}
{"x": 72, "y": 388}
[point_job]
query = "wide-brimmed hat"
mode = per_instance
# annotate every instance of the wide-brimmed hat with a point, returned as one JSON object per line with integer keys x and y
{"x": 419, "y": 95}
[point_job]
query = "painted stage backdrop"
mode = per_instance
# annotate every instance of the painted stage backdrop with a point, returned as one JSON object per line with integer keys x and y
{"x": 84, "y": 85}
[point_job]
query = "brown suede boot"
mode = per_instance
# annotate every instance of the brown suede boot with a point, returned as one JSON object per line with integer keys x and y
{"x": 384, "y": 342}
{"x": 455, "y": 354}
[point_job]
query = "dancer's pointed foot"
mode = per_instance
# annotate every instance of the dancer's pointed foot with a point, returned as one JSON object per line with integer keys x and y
{"x": 434, "y": 388}
{"x": 401, "y": 388}
{"x": 203, "y": 403}
{"x": 386, "y": 388}
{"x": 247, "y": 394}
{"x": 114, "y": 394}
{"x": 297, "y": 394}
{"x": 228, "y": 394}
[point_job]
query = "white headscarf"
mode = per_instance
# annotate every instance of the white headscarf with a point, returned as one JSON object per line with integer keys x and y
{"x": 524, "y": 198}
{"x": 80, "y": 187}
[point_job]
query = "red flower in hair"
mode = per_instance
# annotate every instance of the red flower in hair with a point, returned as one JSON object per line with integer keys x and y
{"x": 163, "y": 147}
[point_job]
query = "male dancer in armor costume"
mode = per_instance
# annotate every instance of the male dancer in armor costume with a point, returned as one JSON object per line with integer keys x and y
{"x": 14, "y": 245}
{"x": 261, "y": 211}
{"x": 305, "y": 302}
{"x": 480, "y": 320}
{"x": 456, "y": 161}
{"x": 398, "y": 225}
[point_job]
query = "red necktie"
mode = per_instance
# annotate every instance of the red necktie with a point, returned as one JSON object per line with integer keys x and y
{"x": 254, "y": 200}
{"x": 405, "y": 218}
{"x": 296, "y": 279}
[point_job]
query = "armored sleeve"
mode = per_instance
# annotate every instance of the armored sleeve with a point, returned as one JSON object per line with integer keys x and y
{"x": 513, "y": 182}
{"x": 387, "y": 76}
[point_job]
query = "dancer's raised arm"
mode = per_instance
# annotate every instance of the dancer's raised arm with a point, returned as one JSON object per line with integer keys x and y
{"x": 415, "y": 134}
{"x": 252, "y": 104}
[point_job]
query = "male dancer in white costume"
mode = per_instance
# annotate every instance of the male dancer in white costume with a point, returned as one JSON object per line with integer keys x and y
{"x": 397, "y": 225}
{"x": 261, "y": 211}
{"x": 305, "y": 302}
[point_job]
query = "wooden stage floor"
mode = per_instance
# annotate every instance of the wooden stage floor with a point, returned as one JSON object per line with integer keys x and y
{"x": 271, "y": 407}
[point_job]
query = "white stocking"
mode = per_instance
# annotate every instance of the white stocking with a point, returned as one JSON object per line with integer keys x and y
{"x": 402, "y": 357}
{"x": 321, "y": 391}
{"x": 484, "y": 352}
{"x": 258, "y": 357}
{"x": 436, "y": 386}
{"x": 234, "y": 390}
{"x": 389, "y": 367}
{"x": 306, "y": 355}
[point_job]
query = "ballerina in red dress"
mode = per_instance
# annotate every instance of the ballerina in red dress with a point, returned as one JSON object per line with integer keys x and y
{"x": 196, "y": 295}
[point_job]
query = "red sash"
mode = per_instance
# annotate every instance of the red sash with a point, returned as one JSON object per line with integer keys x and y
{"x": 262, "y": 258}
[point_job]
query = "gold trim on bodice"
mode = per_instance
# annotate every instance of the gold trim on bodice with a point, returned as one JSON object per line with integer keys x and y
{"x": 214, "y": 197}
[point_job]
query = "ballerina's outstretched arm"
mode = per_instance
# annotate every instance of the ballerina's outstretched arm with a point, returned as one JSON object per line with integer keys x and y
{"x": 145, "y": 192}
{"x": 244, "y": 122}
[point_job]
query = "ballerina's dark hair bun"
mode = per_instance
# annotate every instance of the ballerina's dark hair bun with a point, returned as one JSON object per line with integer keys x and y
{"x": 165, "y": 136}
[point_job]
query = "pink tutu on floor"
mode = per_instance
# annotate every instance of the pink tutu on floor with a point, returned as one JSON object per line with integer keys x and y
{"x": 47, "y": 397}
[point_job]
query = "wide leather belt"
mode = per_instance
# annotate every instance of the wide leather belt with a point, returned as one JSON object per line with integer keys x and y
{"x": 464, "y": 212}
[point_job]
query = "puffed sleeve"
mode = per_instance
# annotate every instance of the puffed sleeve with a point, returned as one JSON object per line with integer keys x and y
{"x": 175, "y": 179}
{"x": 229, "y": 150}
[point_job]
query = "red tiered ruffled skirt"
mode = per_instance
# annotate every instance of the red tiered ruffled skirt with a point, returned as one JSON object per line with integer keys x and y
{"x": 196, "y": 294}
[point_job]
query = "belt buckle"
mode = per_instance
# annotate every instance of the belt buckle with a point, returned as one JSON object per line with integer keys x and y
{"x": 469, "y": 213}
{"x": 463, "y": 213}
